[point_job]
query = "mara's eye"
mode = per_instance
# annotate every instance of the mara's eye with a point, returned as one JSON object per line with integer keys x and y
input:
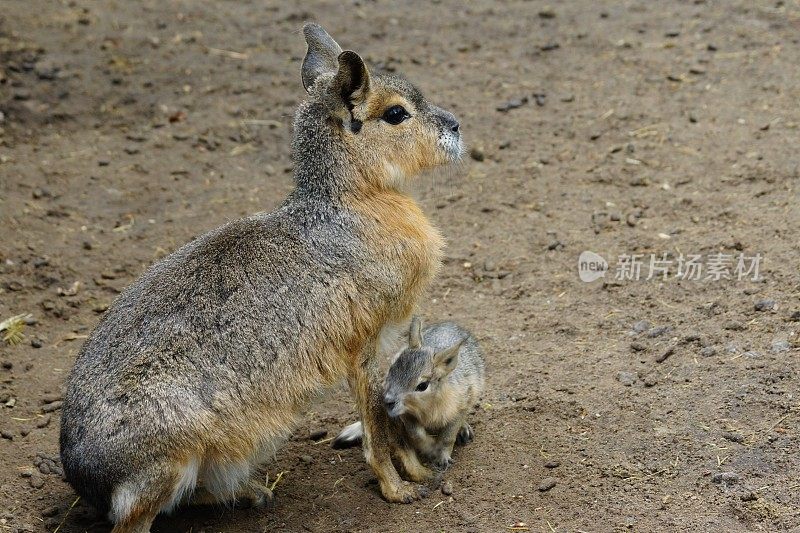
{"x": 422, "y": 386}
{"x": 395, "y": 115}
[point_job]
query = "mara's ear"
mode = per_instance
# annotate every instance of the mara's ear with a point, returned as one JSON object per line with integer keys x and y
{"x": 321, "y": 56}
{"x": 415, "y": 333}
{"x": 445, "y": 361}
{"x": 351, "y": 83}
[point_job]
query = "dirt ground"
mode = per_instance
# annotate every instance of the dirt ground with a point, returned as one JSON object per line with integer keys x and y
{"x": 619, "y": 128}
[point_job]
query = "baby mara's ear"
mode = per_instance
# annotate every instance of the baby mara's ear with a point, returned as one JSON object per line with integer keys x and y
{"x": 321, "y": 56}
{"x": 415, "y": 333}
{"x": 445, "y": 361}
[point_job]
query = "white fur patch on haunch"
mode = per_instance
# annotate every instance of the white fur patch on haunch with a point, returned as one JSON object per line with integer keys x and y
{"x": 123, "y": 499}
{"x": 349, "y": 437}
{"x": 187, "y": 481}
{"x": 223, "y": 479}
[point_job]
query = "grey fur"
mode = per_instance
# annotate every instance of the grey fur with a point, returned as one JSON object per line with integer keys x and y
{"x": 235, "y": 327}
{"x": 431, "y": 435}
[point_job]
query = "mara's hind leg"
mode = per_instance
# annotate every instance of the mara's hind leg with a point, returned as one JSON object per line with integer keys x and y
{"x": 411, "y": 466}
{"x": 136, "y": 502}
{"x": 251, "y": 495}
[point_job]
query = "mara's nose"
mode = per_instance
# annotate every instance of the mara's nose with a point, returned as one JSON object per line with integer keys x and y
{"x": 389, "y": 403}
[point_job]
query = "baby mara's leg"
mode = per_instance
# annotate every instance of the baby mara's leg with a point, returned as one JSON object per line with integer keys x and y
{"x": 443, "y": 449}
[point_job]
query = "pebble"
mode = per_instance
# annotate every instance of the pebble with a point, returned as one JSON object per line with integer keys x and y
{"x": 512, "y": 104}
{"x": 447, "y": 488}
{"x": 708, "y": 351}
{"x": 50, "y": 511}
{"x": 638, "y": 346}
{"x": 7, "y": 365}
{"x": 657, "y": 332}
{"x": 7, "y": 434}
{"x": 477, "y": 154}
{"x": 733, "y": 437}
{"x": 36, "y": 481}
{"x": 641, "y": 326}
{"x": 749, "y": 497}
{"x": 547, "y": 13}
{"x": 627, "y": 378}
{"x": 53, "y": 406}
{"x": 36, "y": 342}
{"x": 665, "y": 354}
{"x": 318, "y": 434}
{"x": 725, "y": 477}
{"x": 780, "y": 345}
{"x": 764, "y": 305}
{"x": 547, "y": 484}
{"x": 733, "y": 325}
{"x": 306, "y": 458}
{"x": 552, "y": 463}
{"x": 795, "y": 316}
{"x": 50, "y": 397}
{"x": 43, "y": 422}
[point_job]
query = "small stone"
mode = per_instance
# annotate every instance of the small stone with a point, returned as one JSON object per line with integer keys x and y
{"x": 631, "y": 220}
{"x": 708, "y": 351}
{"x": 665, "y": 354}
{"x": 641, "y": 326}
{"x": 733, "y": 437}
{"x": 7, "y": 434}
{"x": 780, "y": 345}
{"x": 50, "y": 407}
{"x": 44, "y": 468}
{"x": 307, "y": 459}
{"x": 43, "y": 422}
{"x": 26, "y": 473}
{"x": 657, "y": 332}
{"x": 7, "y": 365}
{"x": 627, "y": 378}
{"x": 638, "y": 346}
{"x": 447, "y": 488}
{"x": 512, "y": 104}
{"x": 477, "y": 154}
{"x": 725, "y": 477}
{"x": 795, "y": 316}
{"x": 24, "y": 432}
{"x": 651, "y": 380}
{"x": 547, "y": 13}
{"x": 733, "y": 325}
{"x": 318, "y": 434}
{"x": 749, "y": 497}
{"x": 547, "y": 484}
{"x": 36, "y": 342}
{"x": 103, "y": 162}
{"x": 552, "y": 463}
{"x": 765, "y": 305}
{"x": 50, "y": 511}
{"x": 36, "y": 481}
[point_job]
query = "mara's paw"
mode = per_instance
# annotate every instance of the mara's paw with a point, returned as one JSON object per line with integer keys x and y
{"x": 465, "y": 435}
{"x": 404, "y": 492}
{"x": 254, "y": 495}
{"x": 419, "y": 474}
{"x": 443, "y": 461}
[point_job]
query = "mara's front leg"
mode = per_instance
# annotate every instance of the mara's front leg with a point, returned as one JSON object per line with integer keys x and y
{"x": 367, "y": 389}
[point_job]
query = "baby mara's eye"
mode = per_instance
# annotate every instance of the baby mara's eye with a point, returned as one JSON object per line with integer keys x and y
{"x": 395, "y": 115}
{"x": 422, "y": 386}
